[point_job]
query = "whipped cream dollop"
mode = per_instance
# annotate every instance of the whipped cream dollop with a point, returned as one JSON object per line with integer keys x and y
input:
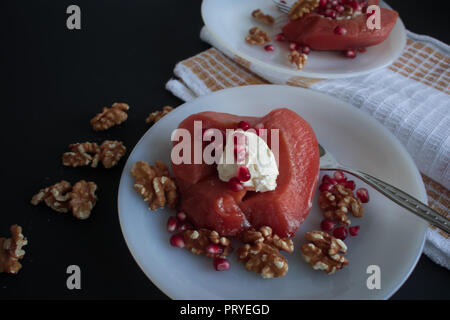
{"x": 256, "y": 156}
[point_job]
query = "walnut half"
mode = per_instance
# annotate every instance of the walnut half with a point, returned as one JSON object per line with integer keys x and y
{"x": 297, "y": 58}
{"x": 322, "y": 252}
{"x": 210, "y": 243}
{"x": 257, "y": 37}
{"x": 110, "y": 117}
{"x": 89, "y": 153}
{"x": 11, "y": 250}
{"x": 263, "y": 18}
{"x": 302, "y": 7}
{"x": 157, "y": 115}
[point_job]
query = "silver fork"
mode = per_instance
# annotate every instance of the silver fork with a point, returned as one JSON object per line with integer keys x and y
{"x": 283, "y": 7}
{"x": 328, "y": 162}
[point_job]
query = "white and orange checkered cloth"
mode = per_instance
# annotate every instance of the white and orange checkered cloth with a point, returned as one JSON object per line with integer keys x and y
{"x": 410, "y": 98}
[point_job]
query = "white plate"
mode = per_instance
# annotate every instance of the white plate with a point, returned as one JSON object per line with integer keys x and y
{"x": 229, "y": 21}
{"x": 390, "y": 237}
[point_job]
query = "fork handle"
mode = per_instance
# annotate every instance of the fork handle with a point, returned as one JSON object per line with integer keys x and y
{"x": 402, "y": 198}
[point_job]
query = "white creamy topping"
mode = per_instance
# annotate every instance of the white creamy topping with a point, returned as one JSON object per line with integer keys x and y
{"x": 259, "y": 160}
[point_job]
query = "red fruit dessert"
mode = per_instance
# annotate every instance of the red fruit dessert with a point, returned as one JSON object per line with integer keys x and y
{"x": 321, "y": 31}
{"x": 210, "y": 202}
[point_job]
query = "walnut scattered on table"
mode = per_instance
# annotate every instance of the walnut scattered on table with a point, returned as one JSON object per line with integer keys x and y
{"x": 11, "y": 250}
{"x": 322, "y": 252}
{"x": 302, "y": 7}
{"x": 154, "y": 184}
{"x": 110, "y": 117}
{"x": 297, "y": 58}
{"x": 261, "y": 252}
{"x": 336, "y": 204}
{"x": 263, "y": 18}
{"x": 256, "y": 36}
{"x": 89, "y": 153}
{"x": 157, "y": 115}
{"x": 207, "y": 242}
{"x": 62, "y": 197}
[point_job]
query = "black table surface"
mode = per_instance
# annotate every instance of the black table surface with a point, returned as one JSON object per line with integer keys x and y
{"x": 54, "y": 80}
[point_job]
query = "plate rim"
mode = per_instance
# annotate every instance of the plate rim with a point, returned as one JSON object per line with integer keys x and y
{"x": 301, "y": 73}
{"x": 421, "y": 185}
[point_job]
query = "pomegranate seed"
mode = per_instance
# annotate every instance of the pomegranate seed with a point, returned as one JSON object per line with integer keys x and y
{"x": 221, "y": 264}
{"x": 185, "y": 226}
{"x": 283, "y": 1}
{"x": 172, "y": 224}
{"x": 354, "y": 5}
{"x": 280, "y": 37}
{"x": 339, "y": 176}
{"x": 353, "y": 231}
{"x": 244, "y": 125}
{"x": 363, "y": 195}
{"x": 243, "y": 174}
{"x": 323, "y": 3}
{"x": 339, "y": 8}
{"x": 330, "y": 13}
{"x": 306, "y": 50}
{"x": 293, "y": 46}
{"x": 177, "y": 240}
{"x": 350, "y": 53}
{"x": 269, "y": 48}
{"x": 214, "y": 249}
{"x": 334, "y": 2}
{"x": 330, "y": 180}
{"x": 339, "y": 30}
{"x": 327, "y": 225}
{"x": 181, "y": 216}
{"x": 340, "y": 232}
{"x": 350, "y": 184}
{"x": 235, "y": 185}
{"x": 326, "y": 187}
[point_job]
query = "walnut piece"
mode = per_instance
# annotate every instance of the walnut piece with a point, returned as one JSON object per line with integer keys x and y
{"x": 297, "y": 58}
{"x": 11, "y": 250}
{"x": 322, "y": 252}
{"x": 257, "y": 37}
{"x": 61, "y": 197}
{"x": 197, "y": 242}
{"x": 157, "y": 115}
{"x": 110, "y": 117}
{"x": 261, "y": 252}
{"x": 336, "y": 204}
{"x": 83, "y": 199}
{"x": 154, "y": 184}
{"x": 302, "y": 7}
{"x": 263, "y": 18}
{"x": 89, "y": 153}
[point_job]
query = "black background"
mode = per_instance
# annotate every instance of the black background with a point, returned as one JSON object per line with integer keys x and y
{"x": 55, "y": 80}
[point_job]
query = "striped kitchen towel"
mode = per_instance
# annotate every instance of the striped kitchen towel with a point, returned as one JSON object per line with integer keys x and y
{"x": 410, "y": 98}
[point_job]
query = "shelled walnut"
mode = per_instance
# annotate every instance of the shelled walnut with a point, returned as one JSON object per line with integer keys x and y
{"x": 210, "y": 243}
{"x": 297, "y": 58}
{"x": 261, "y": 252}
{"x": 157, "y": 115}
{"x": 337, "y": 203}
{"x": 11, "y": 250}
{"x": 322, "y": 252}
{"x": 110, "y": 117}
{"x": 61, "y": 197}
{"x": 302, "y": 7}
{"x": 154, "y": 184}
{"x": 89, "y": 153}
{"x": 263, "y": 18}
{"x": 257, "y": 37}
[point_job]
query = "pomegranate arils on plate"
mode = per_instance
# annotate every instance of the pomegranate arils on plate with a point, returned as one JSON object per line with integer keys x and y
{"x": 350, "y": 53}
{"x": 339, "y": 176}
{"x": 340, "y": 232}
{"x": 330, "y": 13}
{"x": 244, "y": 125}
{"x": 185, "y": 226}
{"x": 325, "y": 186}
{"x": 363, "y": 195}
{"x": 350, "y": 184}
{"x": 306, "y": 50}
{"x": 280, "y": 37}
{"x": 293, "y": 46}
{"x": 269, "y": 47}
{"x": 181, "y": 216}
{"x": 235, "y": 184}
{"x": 243, "y": 174}
{"x": 330, "y": 180}
{"x": 172, "y": 224}
{"x": 221, "y": 264}
{"x": 323, "y": 3}
{"x": 353, "y": 231}
{"x": 327, "y": 225}
{"x": 339, "y": 30}
{"x": 177, "y": 240}
{"x": 339, "y": 8}
{"x": 214, "y": 249}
